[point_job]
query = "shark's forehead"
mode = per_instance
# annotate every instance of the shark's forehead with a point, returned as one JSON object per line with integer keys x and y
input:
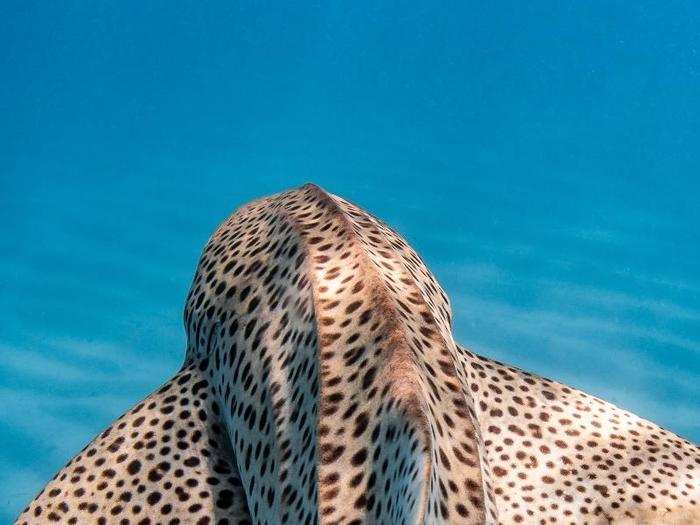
{"x": 287, "y": 240}
{"x": 305, "y": 302}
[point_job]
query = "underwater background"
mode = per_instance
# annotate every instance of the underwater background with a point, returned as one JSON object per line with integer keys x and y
{"x": 543, "y": 159}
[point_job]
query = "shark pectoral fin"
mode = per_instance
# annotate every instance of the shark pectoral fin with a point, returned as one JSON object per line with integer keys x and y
{"x": 563, "y": 455}
{"x": 168, "y": 457}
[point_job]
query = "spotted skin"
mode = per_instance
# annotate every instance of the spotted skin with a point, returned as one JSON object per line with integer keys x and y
{"x": 322, "y": 385}
{"x": 167, "y": 460}
{"x": 558, "y": 455}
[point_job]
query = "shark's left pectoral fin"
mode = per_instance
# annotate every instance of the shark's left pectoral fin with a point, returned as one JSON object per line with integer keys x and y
{"x": 168, "y": 458}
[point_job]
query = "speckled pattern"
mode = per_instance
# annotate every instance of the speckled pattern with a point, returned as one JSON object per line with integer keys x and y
{"x": 322, "y": 384}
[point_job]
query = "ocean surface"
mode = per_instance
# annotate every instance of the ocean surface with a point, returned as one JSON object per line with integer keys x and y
{"x": 544, "y": 160}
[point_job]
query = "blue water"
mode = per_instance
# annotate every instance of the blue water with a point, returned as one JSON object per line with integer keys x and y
{"x": 543, "y": 159}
